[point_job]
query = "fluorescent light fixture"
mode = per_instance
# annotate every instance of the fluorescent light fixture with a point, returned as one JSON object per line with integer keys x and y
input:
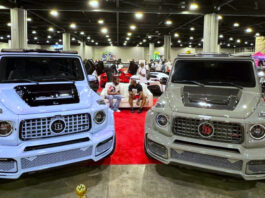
{"x": 47, "y": 41}
{"x": 3, "y": 7}
{"x": 8, "y": 36}
{"x": 100, "y": 21}
{"x": 127, "y": 38}
{"x": 249, "y": 30}
{"x": 228, "y": 45}
{"x": 144, "y": 40}
{"x": 236, "y": 25}
{"x": 246, "y": 42}
{"x": 109, "y": 39}
{"x": 176, "y": 35}
{"x": 96, "y": 43}
{"x": 139, "y": 15}
{"x": 93, "y": 3}
{"x": 92, "y": 41}
{"x": 104, "y": 30}
{"x": 168, "y": 22}
{"x": 132, "y": 27}
{"x": 54, "y": 13}
{"x": 51, "y": 29}
{"x": 194, "y": 6}
{"x": 73, "y": 25}
{"x": 149, "y": 37}
{"x": 140, "y": 43}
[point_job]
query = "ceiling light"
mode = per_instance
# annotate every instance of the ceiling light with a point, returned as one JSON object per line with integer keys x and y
{"x": 181, "y": 45}
{"x": 191, "y": 38}
{"x": 158, "y": 42}
{"x": 51, "y": 29}
{"x": 192, "y": 28}
{"x": 199, "y": 44}
{"x": 221, "y": 36}
{"x": 251, "y": 44}
{"x": 8, "y": 36}
{"x": 168, "y": 22}
{"x": 107, "y": 36}
{"x": 132, "y": 27}
{"x": 129, "y": 34}
{"x": 139, "y": 15}
{"x": 9, "y": 24}
{"x": 246, "y": 42}
{"x": 219, "y": 17}
{"x": 202, "y": 40}
{"x": 249, "y": 30}
{"x": 104, "y": 30}
{"x": 140, "y": 43}
{"x": 228, "y": 45}
{"x": 109, "y": 39}
{"x": 96, "y": 43}
{"x": 236, "y": 24}
{"x": 73, "y": 25}
{"x": 92, "y": 41}
{"x": 47, "y": 41}
{"x": 179, "y": 41}
{"x": 1, "y": 37}
{"x": 82, "y": 33}
{"x": 101, "y": 21}
{"x": 93, "y": 3}
{"x": 194, "y": 6}
{"x": 73, "y": 39}
{"x": 127, "y": 38}
{"x": 34, "y": 32}
{"x": 49, "y": 37}
{"x": 88, "y": 38}
{"x": 231, "y": 39}
{"x": 238, "y": 41}
{"x": 149, "y": 37}
{"x": 29, "y": 19}
{"x": 35, "y": 38}
{"x": 257, "y": 34}
{"x": 176, "y": 35}
{"x": 190, "y": 46}
{"x": 3, "y": 7}
{"x": 54, "y": 13}
{"x": 144, "y": 40}
{"x": 56, "y": 43}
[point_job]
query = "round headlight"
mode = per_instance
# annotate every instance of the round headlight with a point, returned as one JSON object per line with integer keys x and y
{"x": 161, "y": 120}
{"x": 100, "y": 117}
{"x": 5, "y": 128}
{"x": 257, "y": 131}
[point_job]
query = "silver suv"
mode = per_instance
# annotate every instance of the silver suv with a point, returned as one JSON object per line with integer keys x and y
{"x": 212, "y": 116}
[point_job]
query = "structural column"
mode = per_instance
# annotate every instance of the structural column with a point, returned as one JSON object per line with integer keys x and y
{"x": 167, "y": 47}
{"x": 260, "y": 44}
{"x": 66, "y": 41}
{"x": 151, "y": 50}
{"x": 210, "y": 33}
{"x": 83, "y": 49}
{"x": 19, "y": 31}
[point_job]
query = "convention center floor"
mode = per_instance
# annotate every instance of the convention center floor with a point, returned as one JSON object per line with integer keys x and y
{"x": 139, "y": 181}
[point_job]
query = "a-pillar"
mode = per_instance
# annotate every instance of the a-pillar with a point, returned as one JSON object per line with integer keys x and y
{"x": 167, "y": 47}
{"x": 19, "y": 31}
{"x": 151, "y": 51}
{"x": 83, "y": 49}
{"x": 210, "y": 33}
{"x": 260, "y": 44}
{"x": 66, "y": 41}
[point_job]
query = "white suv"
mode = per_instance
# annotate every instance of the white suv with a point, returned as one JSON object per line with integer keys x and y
{"x": 212, "y": 116}
{"x": 49, "y": 116}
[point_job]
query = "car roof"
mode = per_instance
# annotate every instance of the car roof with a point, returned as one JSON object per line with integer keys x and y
{"x": 39, "y": 52}
{"x": 214, "y": 56}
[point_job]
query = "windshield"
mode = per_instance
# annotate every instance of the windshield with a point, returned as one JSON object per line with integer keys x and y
{"x": 208, "y": 72}
{"x": 40, "y": 69}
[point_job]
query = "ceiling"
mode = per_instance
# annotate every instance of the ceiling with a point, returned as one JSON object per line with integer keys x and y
{"x": 118, "y": 15}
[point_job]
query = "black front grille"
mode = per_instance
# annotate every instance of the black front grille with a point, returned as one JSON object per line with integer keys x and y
{"x": 223, "y": 131}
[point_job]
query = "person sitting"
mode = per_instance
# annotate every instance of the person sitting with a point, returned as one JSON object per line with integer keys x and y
{"x": 114, "y": 93}
{"x": 136, "y": 92}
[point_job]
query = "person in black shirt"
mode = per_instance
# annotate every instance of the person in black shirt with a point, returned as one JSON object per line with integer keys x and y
{"x": 133, "y": 67}
{"x": 136, "y": 92}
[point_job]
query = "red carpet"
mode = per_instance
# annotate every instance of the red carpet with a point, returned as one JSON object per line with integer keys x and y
{"x": 129, "y": 139}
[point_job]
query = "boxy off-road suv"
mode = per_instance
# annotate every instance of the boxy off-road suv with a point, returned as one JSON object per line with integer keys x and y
{"x": 212, "y": 116}
{"x": 49, "y": 116}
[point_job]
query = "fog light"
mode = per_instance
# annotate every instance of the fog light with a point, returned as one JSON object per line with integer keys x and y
{"x": 5, "y": 128}
{"x": 157, "y": 149}
{"x": 256, "y": 167}
{"x": 100, "y": 117}
{"x": 257, "y": 132}
{"x": 8, "y": 166}
{"x": 161, "y": 120}
{"x": 104, "y": 146}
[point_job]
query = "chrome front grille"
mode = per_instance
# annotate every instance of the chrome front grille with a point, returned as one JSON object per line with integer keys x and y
{"x": 223, "y": 131}
{"x": 41, "y": 127}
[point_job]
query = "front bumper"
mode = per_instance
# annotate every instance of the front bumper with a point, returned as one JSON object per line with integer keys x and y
{"x": 16, "y": 160}
{"x": 202, "y": 154}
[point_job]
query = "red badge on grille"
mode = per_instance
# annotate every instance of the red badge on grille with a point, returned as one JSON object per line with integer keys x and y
{"x": 206, "y": 129}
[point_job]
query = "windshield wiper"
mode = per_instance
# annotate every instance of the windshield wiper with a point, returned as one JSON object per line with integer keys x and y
{"x": 18, "y": 81}
{"x": 226, "y": 83}
{"x": 189, "y": 81}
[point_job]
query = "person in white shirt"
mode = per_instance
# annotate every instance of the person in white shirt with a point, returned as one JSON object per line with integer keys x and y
{"x": 158, "y": 67}
{"x": 114, "y": 93}
{"x": 141, "y": 72}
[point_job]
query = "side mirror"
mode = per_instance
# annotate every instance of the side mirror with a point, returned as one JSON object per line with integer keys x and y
{"x": 91, "y": 78}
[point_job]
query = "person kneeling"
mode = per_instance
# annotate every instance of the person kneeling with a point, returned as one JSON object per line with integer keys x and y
{"x": 136, "y": 92}
{"x": 114, "y": 93}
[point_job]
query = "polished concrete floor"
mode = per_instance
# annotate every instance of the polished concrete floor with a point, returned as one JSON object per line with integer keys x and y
{"x": 126, "y": 181}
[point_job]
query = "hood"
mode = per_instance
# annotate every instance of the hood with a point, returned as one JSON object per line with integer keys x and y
{"x": 213, "y": 101}
{"x": 15, "y": 103}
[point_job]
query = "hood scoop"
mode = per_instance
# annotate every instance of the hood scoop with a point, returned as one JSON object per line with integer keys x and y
{"x": 211, "y": 97}
{"x": 48, "y": 94}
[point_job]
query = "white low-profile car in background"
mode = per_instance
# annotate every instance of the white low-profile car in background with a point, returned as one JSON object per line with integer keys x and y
{"x": 211, "y": 116}
{"x": 157, "y": 82}
{"x": 49, "y": 116}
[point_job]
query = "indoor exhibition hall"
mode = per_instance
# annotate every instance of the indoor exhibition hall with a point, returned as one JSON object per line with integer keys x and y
{"x": 132, "y": 98}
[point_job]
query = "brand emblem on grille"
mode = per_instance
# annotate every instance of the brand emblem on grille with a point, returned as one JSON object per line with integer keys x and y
{"x": 206, "y": 129}
{"x": 58, "y": 126}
